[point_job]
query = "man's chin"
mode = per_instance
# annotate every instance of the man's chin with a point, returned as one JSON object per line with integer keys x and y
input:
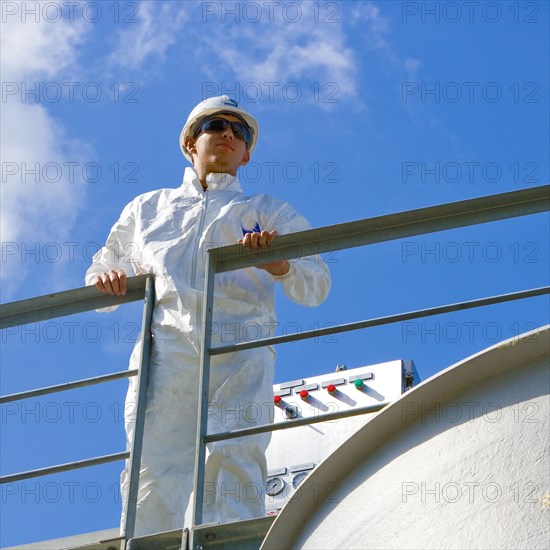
{"x": 220, "y": 167}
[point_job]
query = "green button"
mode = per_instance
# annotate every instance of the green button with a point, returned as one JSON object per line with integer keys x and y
{"x": 358, "y": 383}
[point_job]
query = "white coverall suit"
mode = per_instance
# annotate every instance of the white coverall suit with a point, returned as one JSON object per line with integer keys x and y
{"x": 167, "y": 232}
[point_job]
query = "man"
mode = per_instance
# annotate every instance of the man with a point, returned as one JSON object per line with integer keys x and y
{"x": 167, "y": 233}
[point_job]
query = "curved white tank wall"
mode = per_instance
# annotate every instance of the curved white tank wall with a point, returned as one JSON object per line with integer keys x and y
{"x": 460, "y": 461}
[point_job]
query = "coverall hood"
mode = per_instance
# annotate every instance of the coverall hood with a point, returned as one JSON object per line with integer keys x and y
{"x": 215, "y": 182}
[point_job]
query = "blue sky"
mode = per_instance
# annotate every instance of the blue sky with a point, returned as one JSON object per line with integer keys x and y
{"x": 365, "y": 108}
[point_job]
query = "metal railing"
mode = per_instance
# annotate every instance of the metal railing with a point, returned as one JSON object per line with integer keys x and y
{"x": 288, "y": 247}
{"x": 339, "y": 237}
{"x": 78, "y": 301}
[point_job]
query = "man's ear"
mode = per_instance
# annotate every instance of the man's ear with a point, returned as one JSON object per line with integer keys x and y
{"x": 190, "y": 146}
{"x": 246, "y": 158}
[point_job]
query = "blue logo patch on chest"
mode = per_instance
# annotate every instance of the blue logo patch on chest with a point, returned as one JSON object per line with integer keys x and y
{"x": 255, "y": 229}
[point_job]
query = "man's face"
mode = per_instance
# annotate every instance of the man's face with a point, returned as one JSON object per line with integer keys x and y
{"x": 220, "y": 152}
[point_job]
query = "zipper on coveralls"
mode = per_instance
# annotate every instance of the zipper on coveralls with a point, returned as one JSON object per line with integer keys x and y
{"x": 194, "y": 271}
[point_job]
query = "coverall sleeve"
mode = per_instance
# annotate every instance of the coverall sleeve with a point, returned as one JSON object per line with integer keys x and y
{"x": 308, "y": 280}
{"x": 120, "y": 251}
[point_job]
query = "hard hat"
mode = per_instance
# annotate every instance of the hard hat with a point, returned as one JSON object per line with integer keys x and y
{"x": 221, "y": 104}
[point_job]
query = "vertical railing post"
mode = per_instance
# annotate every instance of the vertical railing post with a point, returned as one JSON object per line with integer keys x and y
{"x": 130, "y": 503}
{"x": 204, "y": 384}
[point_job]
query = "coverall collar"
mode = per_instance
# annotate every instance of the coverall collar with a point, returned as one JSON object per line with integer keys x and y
{"x": 216, "y": 182}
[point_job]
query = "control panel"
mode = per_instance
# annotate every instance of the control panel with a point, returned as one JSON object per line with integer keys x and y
{"x": 294, "y": 452}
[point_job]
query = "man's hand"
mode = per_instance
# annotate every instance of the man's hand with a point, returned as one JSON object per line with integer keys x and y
{"x": 112, "y": 282}
{"x": 263, "y": 240}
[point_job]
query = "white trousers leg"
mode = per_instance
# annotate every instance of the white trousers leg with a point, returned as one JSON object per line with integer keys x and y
{"x": 241, "y": 396}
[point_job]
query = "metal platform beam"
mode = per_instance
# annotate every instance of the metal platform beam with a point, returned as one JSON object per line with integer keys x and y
{"x": 107, "y": 539}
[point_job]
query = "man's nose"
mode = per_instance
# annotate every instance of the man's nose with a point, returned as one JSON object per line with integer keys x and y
{"x": 228, "y": 132}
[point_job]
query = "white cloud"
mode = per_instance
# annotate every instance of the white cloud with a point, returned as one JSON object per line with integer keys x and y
{"x": 39, "y": 49}
{"x": 270, "y": 49}
{"x": 39, "y": 195}
{"x": 377, "y": 28}
{"x": 35, "y": 208}
{"x": 412, "y": 65}
{"x": 44, "y": 208}
{"x": 154, "y": 32}
{"x": 316, "y": 49}
{"x": 280, "y": 51}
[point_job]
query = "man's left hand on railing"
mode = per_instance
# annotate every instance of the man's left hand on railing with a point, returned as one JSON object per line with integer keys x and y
{"x": 112, "y": 282}
{"x": 260, "y": 240}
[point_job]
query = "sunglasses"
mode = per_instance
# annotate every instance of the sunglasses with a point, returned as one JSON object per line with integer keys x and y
{"x": 240, "y": 129}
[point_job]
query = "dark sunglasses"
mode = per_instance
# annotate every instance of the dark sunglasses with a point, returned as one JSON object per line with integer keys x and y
{"x": 239, "y": 129}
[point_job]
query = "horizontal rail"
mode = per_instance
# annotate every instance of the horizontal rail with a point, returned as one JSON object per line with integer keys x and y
{"x": 378, "y": 321}
{"x": 386, "y": 228}
{"x": 64, "y": 467}
{"x": 68, "y": 386}
{"x": 69, "y": 302}
{"x": 222, "y": 436}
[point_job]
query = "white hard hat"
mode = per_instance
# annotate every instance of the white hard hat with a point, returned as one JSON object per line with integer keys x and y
{"x": 221, "y": 104}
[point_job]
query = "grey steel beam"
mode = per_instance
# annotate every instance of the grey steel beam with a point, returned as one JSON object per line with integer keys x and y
{"x": 242, "y": 535}
{"x": 76, "y": 465}
{"x": 69, "y": 302}
{"x": 378, "y": 321}
{"x": 167, "y": 540}
{"x": 204, "y": 386}
{"x": 386, "y": 228}
{"x": 69, "y": 385}
{"x": 106, "y": 539}
{"x": 247, "y": 534}
{"x": 233, "y": 434}
{"x": 130, "y": 503}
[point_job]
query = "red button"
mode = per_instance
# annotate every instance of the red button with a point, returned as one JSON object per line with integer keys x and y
{"x": 277, "y": 399}
{"x": 331, "y": 388}
{"x": 304, "y": 394}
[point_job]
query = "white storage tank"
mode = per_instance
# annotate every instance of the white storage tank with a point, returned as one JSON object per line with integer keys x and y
{"x": 459, "y": 461}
